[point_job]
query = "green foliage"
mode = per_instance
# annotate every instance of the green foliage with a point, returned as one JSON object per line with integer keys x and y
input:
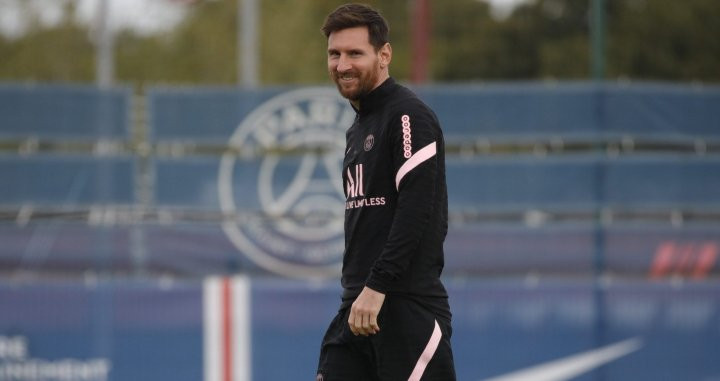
{"x": 293, "y": 47}
{"x": 60, "y": 54}
{"x": 665, "y": 39}
{"x": 202, "y": 49}
{"x": 646, "y": 39}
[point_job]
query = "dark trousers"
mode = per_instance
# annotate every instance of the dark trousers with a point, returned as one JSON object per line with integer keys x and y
{"x": 413, "y": 344}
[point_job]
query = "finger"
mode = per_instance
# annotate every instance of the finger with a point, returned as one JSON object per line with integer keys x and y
{"x": 360, "y": 323}
{"x": 374, "y": 327}
{"x": 371, "y": 327}
{"x": 365, "y": 324}
{"x": 351, "y": 323}
{"x": 357, "y": 324}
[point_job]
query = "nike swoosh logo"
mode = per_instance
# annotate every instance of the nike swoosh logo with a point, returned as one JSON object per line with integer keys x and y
{"x": 569, "y": 367}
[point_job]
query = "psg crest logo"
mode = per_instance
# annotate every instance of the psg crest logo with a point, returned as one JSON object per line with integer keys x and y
{"x": 369, "y": 141}
{"x": 286, "y": 204}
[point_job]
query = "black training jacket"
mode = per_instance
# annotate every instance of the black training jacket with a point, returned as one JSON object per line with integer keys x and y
{"x": 396, "y": 196}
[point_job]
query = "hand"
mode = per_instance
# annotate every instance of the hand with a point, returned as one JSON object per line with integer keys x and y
{"x": 364, "y": 312}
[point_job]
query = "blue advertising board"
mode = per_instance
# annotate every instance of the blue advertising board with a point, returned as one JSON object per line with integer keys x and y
{"x": 269, "y": 329}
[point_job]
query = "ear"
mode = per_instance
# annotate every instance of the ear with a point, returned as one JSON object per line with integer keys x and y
{"x": 385, "y": 54}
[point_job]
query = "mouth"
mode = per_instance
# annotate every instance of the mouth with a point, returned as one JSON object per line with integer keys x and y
{"x": 345, "y": 77}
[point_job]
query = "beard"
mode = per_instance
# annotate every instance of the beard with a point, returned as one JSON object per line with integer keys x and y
{"x": 364, "y": 84}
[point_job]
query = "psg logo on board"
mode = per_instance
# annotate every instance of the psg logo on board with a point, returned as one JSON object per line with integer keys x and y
{"x": 285, "y": 205}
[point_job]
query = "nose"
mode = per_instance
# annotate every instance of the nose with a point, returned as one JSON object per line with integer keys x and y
{"x": 343, "y": 64}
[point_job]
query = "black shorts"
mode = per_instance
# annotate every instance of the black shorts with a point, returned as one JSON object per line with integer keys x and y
{"x": 413, "y": 344}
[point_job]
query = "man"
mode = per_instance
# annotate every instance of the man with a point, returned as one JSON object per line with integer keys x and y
{"x": 394, "y": 320}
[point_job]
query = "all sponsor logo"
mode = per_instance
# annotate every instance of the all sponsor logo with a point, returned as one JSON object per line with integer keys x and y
{"x": 689, "y": 259}
{"x": 17, "y": 364}
{"x": 284, "y": 207}
{"x": 572, "y": 366}
{"x": 355, "y": 186}
{"x": 355, "y": 190}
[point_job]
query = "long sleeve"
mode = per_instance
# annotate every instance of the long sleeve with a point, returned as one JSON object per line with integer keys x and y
{"x": 416, "y": 146}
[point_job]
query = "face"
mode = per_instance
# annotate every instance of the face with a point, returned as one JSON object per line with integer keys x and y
{"x": 354, "y": 65}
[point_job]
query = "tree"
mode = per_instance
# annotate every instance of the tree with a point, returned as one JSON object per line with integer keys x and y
{"x": 60, "y": 53}
{"x": 293, "y": 48}
{"x": 646, "y": 39}
{"x": 202, "y": 49}
{"x": 665, "y": 39}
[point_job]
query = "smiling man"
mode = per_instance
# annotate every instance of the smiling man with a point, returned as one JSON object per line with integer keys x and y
{"x": 394, "y": 319}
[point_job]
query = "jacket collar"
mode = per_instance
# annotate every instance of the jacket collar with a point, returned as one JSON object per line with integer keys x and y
{"x": 376, "y": 97}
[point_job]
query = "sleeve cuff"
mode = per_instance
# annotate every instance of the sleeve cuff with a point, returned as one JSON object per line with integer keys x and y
{"x": 378, "y": 282}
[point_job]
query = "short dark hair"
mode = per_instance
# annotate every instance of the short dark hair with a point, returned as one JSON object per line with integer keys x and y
{"x": 354, "y": 15}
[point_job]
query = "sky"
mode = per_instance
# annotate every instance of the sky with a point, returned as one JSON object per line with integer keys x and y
{"x": 144, "y": 16}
